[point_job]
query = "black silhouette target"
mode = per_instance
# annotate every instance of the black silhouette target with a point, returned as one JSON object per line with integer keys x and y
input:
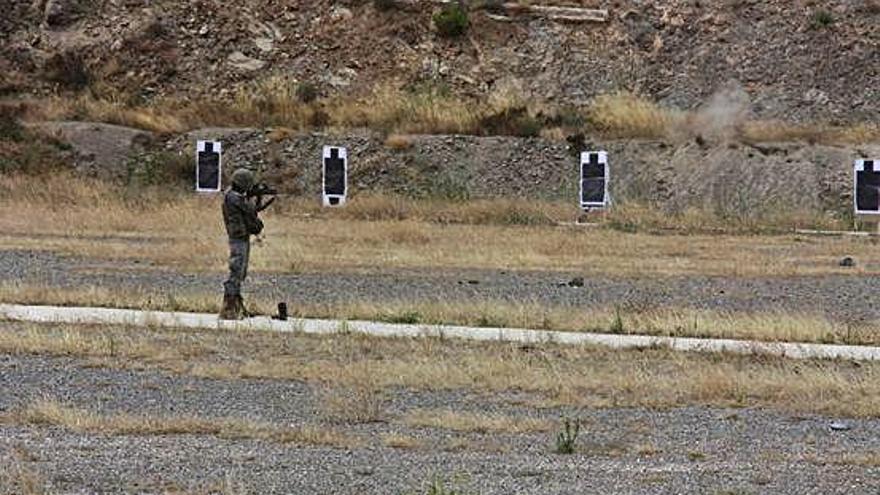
{"x": 594, "y": 179}
{"x": 867, "y": 187}
{"x": 208, "y": 166}
{"x": 335, "y": 183}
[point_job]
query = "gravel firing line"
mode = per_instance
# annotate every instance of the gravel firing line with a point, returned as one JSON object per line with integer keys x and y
{"x": 131, "y": 317}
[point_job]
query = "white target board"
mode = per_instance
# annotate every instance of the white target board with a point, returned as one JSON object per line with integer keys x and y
{"x": 209, "y": 166}
{"x": 594, "y": 180}
{"x": 335, "y": 176}
{"x": 866, "y": 187}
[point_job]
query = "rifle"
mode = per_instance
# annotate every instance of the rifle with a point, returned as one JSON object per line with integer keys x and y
{"x": 259, "y": 190}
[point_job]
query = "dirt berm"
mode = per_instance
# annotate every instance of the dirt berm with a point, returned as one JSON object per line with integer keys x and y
{"x": 729, "y": 179}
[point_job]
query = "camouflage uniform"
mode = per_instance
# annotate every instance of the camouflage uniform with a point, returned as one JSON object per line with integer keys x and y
{"x": 240, "y": 217}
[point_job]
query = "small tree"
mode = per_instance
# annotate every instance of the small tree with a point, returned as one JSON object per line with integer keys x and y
{"x": 451, "y": 21}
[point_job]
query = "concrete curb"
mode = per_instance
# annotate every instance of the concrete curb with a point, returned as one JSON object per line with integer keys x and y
{"x": 160, "y": 319}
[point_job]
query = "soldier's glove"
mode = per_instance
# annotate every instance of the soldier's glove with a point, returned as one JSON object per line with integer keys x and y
{"x": 262, "y": 206}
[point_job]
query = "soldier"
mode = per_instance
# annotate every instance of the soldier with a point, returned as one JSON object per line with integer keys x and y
{"x": 240, "y": 217}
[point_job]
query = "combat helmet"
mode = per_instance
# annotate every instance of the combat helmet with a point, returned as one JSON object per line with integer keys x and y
{"x": 243, "y": 180}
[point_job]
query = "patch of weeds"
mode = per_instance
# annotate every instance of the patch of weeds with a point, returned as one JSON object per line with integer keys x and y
{"x": 112, "y": 346}
{"x": 10, "y": 127}
{"x": 306, "y": 92}
{"x": 438, "y": 486}
{"x": 68, "y": 69}
{"x": 822, "y": 19}
{"x": 567, "y": 116}
{"x": 653, "y": 479}
{"x": 385, "y": 5}
{"x": 520, "y": 215}
{"x": 407, "y": 317}
{"x": 356, "y": 395}
{"x": 173, "y": 304}
{"x": 451, "y": 20}
{"x": 734, "y": 491}
{"x": 623, "y": 223}
{"x": 19, "y": 475}
{"x": 296, "y": 265}
{"x": 566, "y": 439}
{"x": 33, "y": 154}
{"x": 696, "y": 456}
{"x": 490, "y": 321}
{"x": 358, "y": 402}
{"x": 344, "y": 328}
{"x": 647, "y": 449}
{"x": 617, "y": 323}
{"x": 450, "y": 186}
{"x": 156, "y": 169}
{"x": 514, "y": 121}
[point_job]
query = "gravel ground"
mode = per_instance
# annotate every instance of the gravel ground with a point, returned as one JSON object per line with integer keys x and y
{"x": 841, "y": 298}
{"x": 697, "y": 450}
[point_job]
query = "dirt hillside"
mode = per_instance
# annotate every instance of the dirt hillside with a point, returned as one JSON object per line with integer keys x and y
{"x": 797, "y": 59}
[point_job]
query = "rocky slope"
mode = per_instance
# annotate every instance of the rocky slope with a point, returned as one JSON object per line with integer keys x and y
{"x": 741, "y": 180}
{"x": 798, "y": 60}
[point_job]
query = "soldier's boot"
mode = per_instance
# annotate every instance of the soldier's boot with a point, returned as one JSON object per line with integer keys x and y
{"x": 231, "y": 309}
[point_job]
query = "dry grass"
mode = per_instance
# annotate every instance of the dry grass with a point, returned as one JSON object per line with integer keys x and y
{"x": 633, "y": 318}
{"x": 109, "y": 111}
{"x": 277, "y": 101}
{"x": 355, "y": 396}
{"x": 498, "y": 211}
{"x": 273, "y": 101}
{"x": 626, "y": 115}
{"x": 475, "y": 422}
{"x": 186, "y": 233}
{"x": 53, "y": 413}
{"x": 459, "y": 444}
{"x": 398, "y": 441}
{"x": 552, "y": 375}
{"x": 647, "y": 449}
{"x": 19, "y": 476}
{"x": 764, "y": 131}
{"x": 398, "y": 141}
{"x": 74, "y": 217}
{"x": 644, "y": 218}
{"x": 870, "y": 459}
{"x": 430, "y": 110}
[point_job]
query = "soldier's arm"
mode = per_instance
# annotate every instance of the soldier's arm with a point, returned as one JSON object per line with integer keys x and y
{"x": 251, "y": 221}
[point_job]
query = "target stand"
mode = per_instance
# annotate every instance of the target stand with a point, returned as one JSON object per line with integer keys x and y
{"x": 866, "y": 193}
{"x": 594, "y": 179}
{"x": 209, "y": 166}
{"x": 335, "y": 176}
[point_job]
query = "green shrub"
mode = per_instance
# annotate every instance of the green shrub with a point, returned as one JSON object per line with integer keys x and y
{"x": 10, "y": 127}
{"x": 617, "y": 322}
{"x": 68, "y": 69}
{"x": 407, "y": 317}
{"x": 567, "y": 437}
{"x": 384, "y": 5}
{"x": 822, "y": 19}
{"x": 306, "y": 92}
{"x": 159, "y": 168}
{"x": 451, "y": 21}
{"x": 514, "y": 121}
{"x": 449, "y": 184}
{"x": 30, "y": 152}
